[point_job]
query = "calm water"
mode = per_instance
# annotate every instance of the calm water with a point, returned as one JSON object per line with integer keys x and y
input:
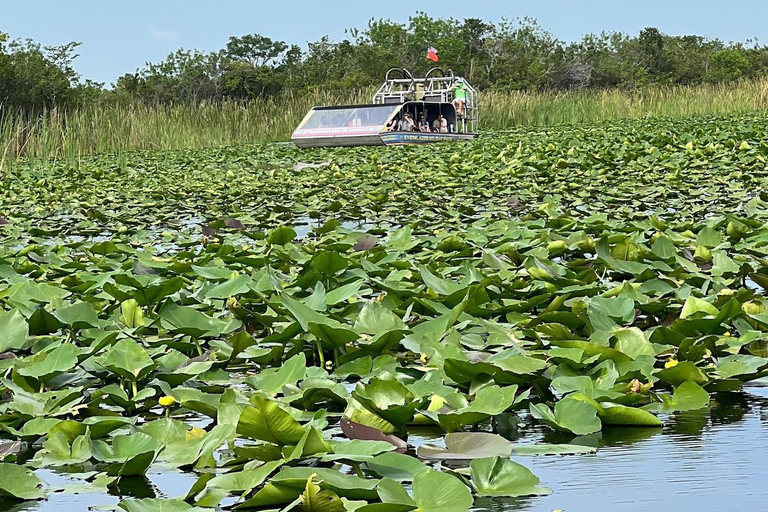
{"x": 706, "y": 461}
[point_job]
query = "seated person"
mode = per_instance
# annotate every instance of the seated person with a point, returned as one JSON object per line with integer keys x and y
{"x": 406, "y": 124}
{"x": 460, "y": 98}
{"x": 423, "y": 123}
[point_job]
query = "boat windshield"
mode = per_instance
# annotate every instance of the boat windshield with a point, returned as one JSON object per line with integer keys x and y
{"x": 343, "y": 117}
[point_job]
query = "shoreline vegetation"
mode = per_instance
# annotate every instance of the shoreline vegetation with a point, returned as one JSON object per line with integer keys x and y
{"x": 116, "y": 128}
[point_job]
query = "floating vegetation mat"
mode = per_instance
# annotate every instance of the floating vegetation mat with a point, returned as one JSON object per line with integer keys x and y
{"x": 279, "y": 332}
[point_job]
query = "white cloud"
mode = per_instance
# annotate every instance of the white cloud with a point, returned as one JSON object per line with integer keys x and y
{"x": 164, "y": 34}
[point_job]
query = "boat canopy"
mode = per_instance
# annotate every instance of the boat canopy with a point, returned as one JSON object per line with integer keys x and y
{"x": 346, "y": 120}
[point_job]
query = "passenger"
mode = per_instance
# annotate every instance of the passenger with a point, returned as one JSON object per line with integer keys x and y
{"x": 443, "y": 125}
{"x": 423, "y": 123}
{"x": 392, "y": 125}
{"x": 436, "y": 124}
{"x": 460, "y": 97}
{"x": 406, "y": 123}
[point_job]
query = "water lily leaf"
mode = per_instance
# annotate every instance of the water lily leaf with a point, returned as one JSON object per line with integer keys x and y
{"x": 694, "y": 307}
{"x": 159, "y": 505}
{"x": 313, "y": 499}
{"x": 688, "y": 396}
{"x": 131, "y": 314}
{"x": 615, "y": 414}
{"x": 606, "y": 313}
{"x": 396, "y": 466}
{"x": 80, "y": 315}
{"x": 497, "y": 476}
{"x": 356, "y": 450}
{"x": 489, "y": 401}
{"x": 238, "y": 285}
{"x": 18, "y": 483}
{"x": 187, "y": 320}
{"x": 739, "y": 365}
{"x": 434, "y": 491}
{"x": 683, "y": 371}
{"x": 272, "y": 381}
{"x": 266, "y": 421}
{"x": 14, "y": 330}
{"x": 343, "y": 293}
{"x": 709, "y": 237}
{"x": 243, "y": 481}
{"x": 328, "y": 263}
{"x": 467, "y": 446}
{"x": 375, "y": 318}
{"x": 570, "y": 415}
{"x": 632, "y": 341}
{"x": 282, "y": 235}
{"x": 48, "y": 364}
{"x": 127, "y": 359}
{"x": 388, "y": 398}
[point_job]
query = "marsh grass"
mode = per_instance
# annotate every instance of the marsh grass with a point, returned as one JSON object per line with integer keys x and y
{"x": 111, "y": 128}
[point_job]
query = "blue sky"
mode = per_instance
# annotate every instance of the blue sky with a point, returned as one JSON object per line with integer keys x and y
{"x": 119, "y": 37}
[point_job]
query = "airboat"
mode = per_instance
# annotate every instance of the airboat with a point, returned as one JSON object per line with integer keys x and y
{"x": 399, "y": 96}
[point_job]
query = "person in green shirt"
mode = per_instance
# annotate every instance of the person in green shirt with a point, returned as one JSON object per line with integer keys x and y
{"x": 460, "y": 97}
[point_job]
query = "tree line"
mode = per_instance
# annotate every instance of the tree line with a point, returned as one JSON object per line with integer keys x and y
{"x": 516, "y": 55}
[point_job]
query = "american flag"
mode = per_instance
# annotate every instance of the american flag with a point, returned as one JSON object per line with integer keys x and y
{"x": 432, "y": 54}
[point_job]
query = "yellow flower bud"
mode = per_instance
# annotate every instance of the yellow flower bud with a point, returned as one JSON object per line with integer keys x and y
{"x": 671, "y": 363}
{"x": 167, "y": 401}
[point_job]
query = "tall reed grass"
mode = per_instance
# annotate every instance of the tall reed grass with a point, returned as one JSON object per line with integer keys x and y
{"x": 106, "y": 128}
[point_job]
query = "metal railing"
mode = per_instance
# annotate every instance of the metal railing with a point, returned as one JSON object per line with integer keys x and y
{"x": 400, "y": 86}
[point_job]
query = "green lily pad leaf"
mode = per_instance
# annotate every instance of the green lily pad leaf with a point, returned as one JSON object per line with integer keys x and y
{"x": 435, "y": 491}
{"x": 688, "y": 396}
{"x": 467, "y": 446}
{"x": 681, "y": 372}
{"x": 18, "y": 483}
{"x": 375, "y": 318}
{"x": 396, "y": 466}
{"x": 328, "y": 263}
{"x": 615, "y": 414}
{"x": 739, "y": 365}
{"x": 633, "y": 342}
{"x": 709, "y": 237}
{"x": 694, "y": 307}
{"x": 388, "y": 398}
{"x": 80, "y": 315}
{"x": 497, "y": 476}
{"x": 187, "y": 320}
{"x": 159, "y": 505}
{"x": 282, "y": 235}
{"x": 238, "y": 285}
{"x": 570, "y": 415}
{"x": 127, "y": 359}
{"x": 266, "y": 421}
{"x": 343, "y": 293}
{"x": 356, "y": 450}
{"x": 606, "y": 313}
{"x": 314, "y": 499}
{"x": 131, "y": 314}
{"x": 48, "y": 364}
{"x": 489, "y": 401}
{"x": 14, "y": 330}
{"x": 243, "y": 481}
{"x": 272, "y": 382}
